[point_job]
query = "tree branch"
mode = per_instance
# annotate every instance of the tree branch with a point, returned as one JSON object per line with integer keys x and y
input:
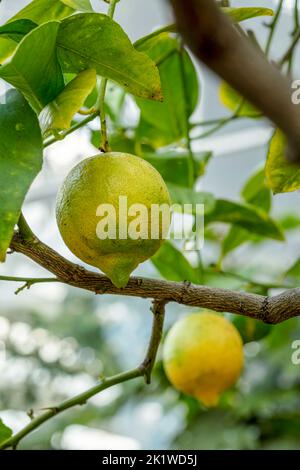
{"x": 214, "y": 40}
{"x": 268, "y": 309}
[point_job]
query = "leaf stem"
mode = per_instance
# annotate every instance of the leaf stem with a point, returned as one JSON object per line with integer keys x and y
{"x": 72, "y": 129}
{"x": 100, "y": 106}
{"x": 221, "y": 123}
{"x": 191, "y": 160}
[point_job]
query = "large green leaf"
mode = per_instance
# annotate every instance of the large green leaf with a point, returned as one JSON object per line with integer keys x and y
{"x": 184, "y": 196}
{"x": 245, "y": 13}
{"x": 92, "y": 40}
{"x": 80, "y": 5}
{"x": 294, "y": 272}
{"x": 58, "y": 114}
{"x": 34, "y": 68}
{"x": 246, "y": 216}
{"x": 37, "y": 11}
{"x": 21, "y": 152}
{"x": 281, "y": 176}
{"x": 5, "y": 432}
{"x": 41, "y": 11}
{"x": 16, "y": 30}
{"x": 173, "y": 265}
{"x": 179, "y": 85}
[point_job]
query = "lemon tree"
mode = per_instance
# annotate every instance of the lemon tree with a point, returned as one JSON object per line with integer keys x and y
{"x": 65, "y": 66}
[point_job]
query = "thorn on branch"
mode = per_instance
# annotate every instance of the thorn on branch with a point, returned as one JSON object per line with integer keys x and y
{"x": 27, "y": 285}
{"x": 30, "y": 413}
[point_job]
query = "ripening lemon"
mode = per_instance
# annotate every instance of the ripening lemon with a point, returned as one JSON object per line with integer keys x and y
{"x": 105, "y": 213}
{"x": 203, "y": 356}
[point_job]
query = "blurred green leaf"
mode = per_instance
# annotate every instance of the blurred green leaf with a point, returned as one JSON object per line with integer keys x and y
{"x": 16, "y": 30}
{"x": 80, "y": 5}
{"x": 58, "y": 114}
{"x": 232, "y": 100}
{"x": 41, "y": 11}
{"x": 180, "y": 195}
{"x": 256, "y": 193}
{"x": 250, "y": 329}
{"x": 21, "y": 153}
{"x": 294, "y": 272}
{"x": 78, "y": 41}
{"x": 281, "y": 176}
{"x": 34, "y": 69}
{"x": 5, "y": 432}
{"x": 247, "y": 217}
{"x": 245, "y": 13}
{"x": 173, "y": 265}
{"x": 180, "y": 88}
{"x": 174, "y": 166}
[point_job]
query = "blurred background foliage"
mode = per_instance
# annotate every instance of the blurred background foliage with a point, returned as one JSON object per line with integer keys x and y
{"x": 56, "y": 341}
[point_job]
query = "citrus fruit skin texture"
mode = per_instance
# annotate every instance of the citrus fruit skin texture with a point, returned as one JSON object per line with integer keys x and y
{"x": 203, "y": 356}
{"x": 98, "y": 180}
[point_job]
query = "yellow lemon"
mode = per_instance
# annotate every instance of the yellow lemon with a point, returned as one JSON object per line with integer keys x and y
{"x": 104, "y": 213}
{"x": 203, "y": 356}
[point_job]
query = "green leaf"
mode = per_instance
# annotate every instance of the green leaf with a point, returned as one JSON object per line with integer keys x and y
{"x": 21, "y": 153}
{"x": 174, "y": 166}
{"x": 173, "y": 265}
{"x": 241, "y": 14}
{"x": 34, "y": 68}
{"x": 255, "y": 191}
{"x": 294, "y": 272}
{"x": 58, "y": 114}
{"x": 41, "y": 11}
{"x": 281, "y": 176}
{"x": 92, "y": 40}
{"x": 180, "y": 88}
{"x": 80, "y": 5}
{"x": 182, "y": 196}
{"x": 235, "y": 237}
{"x": 5, "y": 432}
{"x": 231, "y": 99}
{"x": 16, "y": 30}
{"x": 247, "y": 217}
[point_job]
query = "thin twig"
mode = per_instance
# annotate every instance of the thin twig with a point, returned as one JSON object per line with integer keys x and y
{"x": 286, "y": 57}
{"x": 273, "y": 26}
{"x": 78, "y": 125}
{"x": 144, "y": 369}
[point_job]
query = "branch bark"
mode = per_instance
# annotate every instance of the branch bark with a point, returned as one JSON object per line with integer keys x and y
{"x": 214, "y": 40}
{"x": 268, "y": 309}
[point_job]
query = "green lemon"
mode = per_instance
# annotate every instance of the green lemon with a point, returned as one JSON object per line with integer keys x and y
{"x": 92, "y": 217}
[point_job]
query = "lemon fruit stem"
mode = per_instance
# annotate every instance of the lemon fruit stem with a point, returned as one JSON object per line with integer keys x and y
{"x": 100, "y": 106}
